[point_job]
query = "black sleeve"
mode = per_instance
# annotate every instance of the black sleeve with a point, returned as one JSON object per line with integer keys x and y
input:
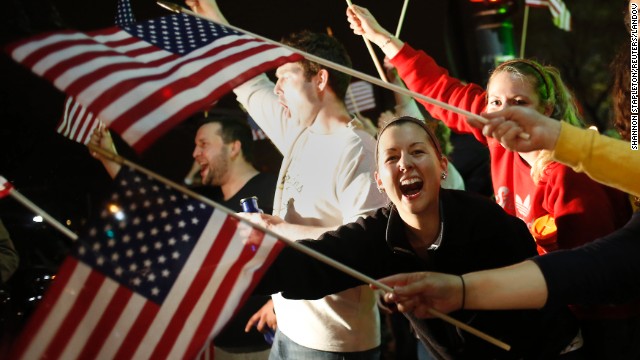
{"x": 299, "y": 276}
{"x": 604, "y": 271}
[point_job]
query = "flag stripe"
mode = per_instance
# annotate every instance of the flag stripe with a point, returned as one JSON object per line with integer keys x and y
{"x": 269, "y": 250}
{"x": 37, "y": 319}
{"x": 59, "y": 310}
{"x": 22, "y": 50}
{"x": 142, "y": 139}
{"x": 180, "y": 77}
{"x": 106, "y": 324}
{"x": 84, "y": 59}
{"x": 73, "y": 318}
{"x": 242, "y": 254}
{"x": 217, "y": 251}
{"x": 140, "y": 326}
{"x": 111, "y": 68}
{"x": 96, "y": 304}
{"x": 135, "y": 305}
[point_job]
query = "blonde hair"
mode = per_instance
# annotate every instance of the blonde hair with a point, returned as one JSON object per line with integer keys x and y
{"x": 551, "y": 91}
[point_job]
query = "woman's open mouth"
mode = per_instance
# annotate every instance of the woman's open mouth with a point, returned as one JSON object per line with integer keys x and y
{"x": 410, "y": 188}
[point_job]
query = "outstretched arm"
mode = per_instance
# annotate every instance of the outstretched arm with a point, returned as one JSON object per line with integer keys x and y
{"x": 507, "y": 125}
{"x": 520, "y": 286}
{"x": 606, "y": 160}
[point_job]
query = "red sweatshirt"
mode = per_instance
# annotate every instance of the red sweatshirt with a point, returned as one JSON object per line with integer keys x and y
{"x": 583, "y": 209}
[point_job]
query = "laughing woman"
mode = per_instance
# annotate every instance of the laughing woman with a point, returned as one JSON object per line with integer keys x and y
{"x": 429, "y": 228}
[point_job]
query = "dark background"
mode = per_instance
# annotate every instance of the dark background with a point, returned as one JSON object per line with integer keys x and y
{"x": 61, "y": 177}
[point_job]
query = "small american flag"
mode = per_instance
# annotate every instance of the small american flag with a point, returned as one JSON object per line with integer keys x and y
{"x": 154, "y": 277}
{"x": 142, "y": 79}
{"x": 77, "y": 123}
{"x": 561, "y": 15}
{"x": 360, "y": 97}
{"x": 559, "y": 12}
{"x": 5, "y": 187}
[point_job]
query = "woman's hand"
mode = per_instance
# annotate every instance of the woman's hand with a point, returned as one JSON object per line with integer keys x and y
{"x": 418, "y": 292}
{"x": 363, "y": 23}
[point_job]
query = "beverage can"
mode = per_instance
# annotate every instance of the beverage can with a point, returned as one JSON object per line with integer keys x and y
{"x": 250, "y": 205}
{"x": 269, "y": 335}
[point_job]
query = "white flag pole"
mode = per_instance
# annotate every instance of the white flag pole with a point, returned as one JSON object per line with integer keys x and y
{"x": 401, "y": 20}
{"x": 525, "y": 25}
{"x": 332, "y": 65}
{"x": 376, "y": 62}
{"x": 37, "y": 210}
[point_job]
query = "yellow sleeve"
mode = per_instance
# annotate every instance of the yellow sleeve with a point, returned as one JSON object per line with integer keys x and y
{"x": 606, "y": 160}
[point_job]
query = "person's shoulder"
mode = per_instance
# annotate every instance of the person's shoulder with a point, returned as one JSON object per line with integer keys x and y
{"x": 263, "y": 184}
{"x": 557, "y": 173}
{"x": 478, "y": 215}
{"x": 356, "y": 138}
{"x": 463, "y": 202}
{"x": 266, "y": 178}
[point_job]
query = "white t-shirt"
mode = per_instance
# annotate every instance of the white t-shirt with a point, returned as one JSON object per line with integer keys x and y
{"x": 325, "y": 180}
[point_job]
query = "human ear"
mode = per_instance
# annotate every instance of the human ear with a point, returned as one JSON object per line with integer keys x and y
{"x": 236, "y": 148}
{"x": 322, "y": 79}
{"x": 378, "y": 181}
{"x": 444, "y": 162}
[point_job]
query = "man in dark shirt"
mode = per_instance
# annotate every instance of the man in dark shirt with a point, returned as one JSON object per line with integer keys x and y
{"x": 224, "y": 151}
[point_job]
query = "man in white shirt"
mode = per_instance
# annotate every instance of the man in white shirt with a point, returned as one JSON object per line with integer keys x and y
{"x": 326, "y": 180}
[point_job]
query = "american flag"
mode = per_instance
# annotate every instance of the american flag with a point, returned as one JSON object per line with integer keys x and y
{"x": 360, "y": 97}
{"x": 5, "y": 187}
{"x": 142, "y": 79}
{"x": 153, "y": 278}
{"x": 561, "y": 15}
{"x": 559, "y": 12}
{"x": 77, "y": 123}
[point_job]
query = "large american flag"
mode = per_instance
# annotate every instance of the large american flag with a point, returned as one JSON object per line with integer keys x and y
{"x": 154, "y": 277}
{"x": 77, "y": 123}
{"x": 142, "y": 79}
